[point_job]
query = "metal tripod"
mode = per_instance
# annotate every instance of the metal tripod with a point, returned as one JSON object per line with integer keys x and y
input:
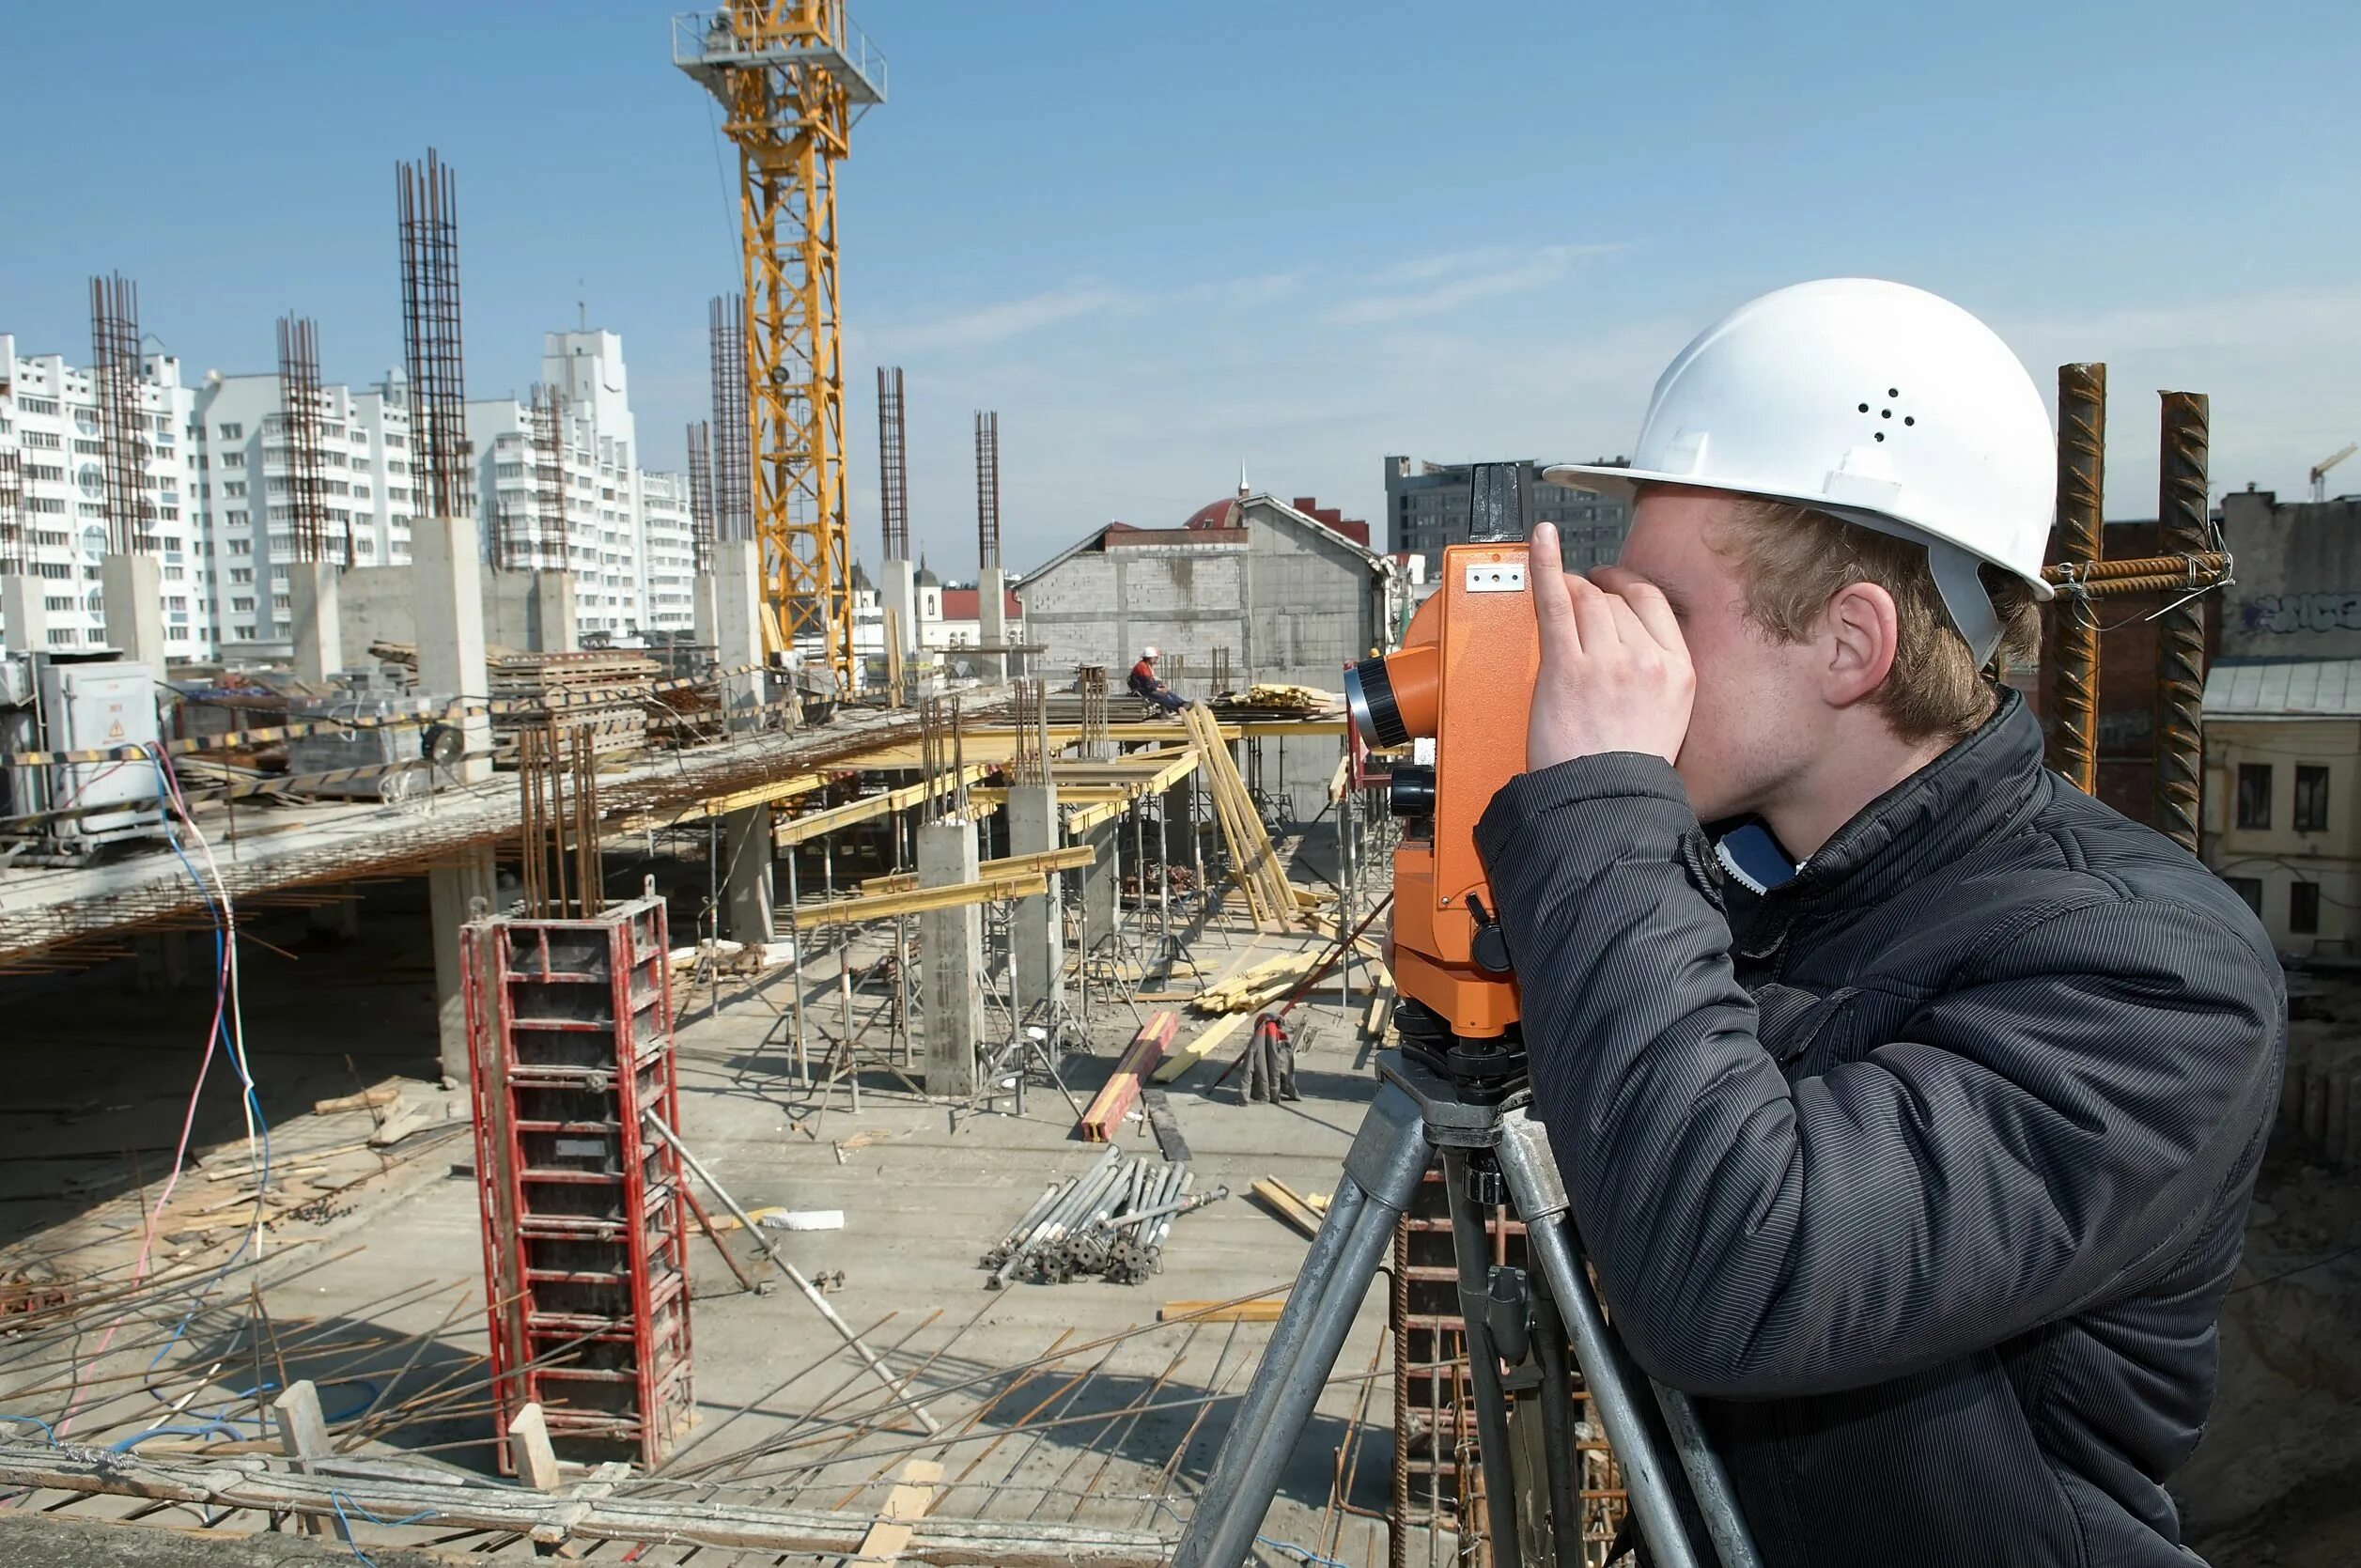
{"x": 1486, "y": 1143}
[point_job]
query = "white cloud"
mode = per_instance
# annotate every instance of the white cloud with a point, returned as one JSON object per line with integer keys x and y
{"x": 997, "y": 323}
{"x": 1451, "y": 281}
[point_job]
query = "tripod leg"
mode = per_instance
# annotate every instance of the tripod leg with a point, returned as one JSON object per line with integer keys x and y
{"x": 1617, "y": 1386}
{"x": 1557, "y": 1416}
{"x": 1388, "y": 1155}
{"x": 1484, "y": 1366}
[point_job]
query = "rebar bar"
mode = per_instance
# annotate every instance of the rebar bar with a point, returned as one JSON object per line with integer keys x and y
{"x": 115, "y": 383}
{"x": 307, "y": 476}
{"x": 733, "y": 436}
{"x": 2074, "y": 631}
{"x": 430, "y": 207}
{"x": 894, "y": 495}
{"x": 2183, "y": 527}
{"x": 987, "y": 491}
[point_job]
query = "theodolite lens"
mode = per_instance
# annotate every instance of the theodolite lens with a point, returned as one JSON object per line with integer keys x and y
{"x": 1369, "y": 697}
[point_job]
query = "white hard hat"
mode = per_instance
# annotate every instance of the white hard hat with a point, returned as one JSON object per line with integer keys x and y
{"x": 1147, "y": 653}
{"x": 1878, "y": 403}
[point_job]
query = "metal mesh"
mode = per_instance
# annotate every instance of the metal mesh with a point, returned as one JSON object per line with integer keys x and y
{"x": 130, "y": 517}
{"x": 297, "y": 448}
{"x": 732, "y": 470}
{"x": 701, "y": 494}
{"x": 894, "y": 495}
{"x": 987, "y": 491}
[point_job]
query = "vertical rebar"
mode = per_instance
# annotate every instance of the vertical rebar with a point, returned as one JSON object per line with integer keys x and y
{"x": 894, "y": 495}
{"x": 429, "y": 206}
{"x": 2081, "y": 486}
{"x": 987, "y": 491}
{"x": 701, "y": 496}
{"x": 13, "y": 559}
{"x": 2182, "y": 528}
{"x": 114, "y": 384}
{"x": 732, "y": 464}
{"x": 299, "y": 430}
{"x": 551, "y": 498}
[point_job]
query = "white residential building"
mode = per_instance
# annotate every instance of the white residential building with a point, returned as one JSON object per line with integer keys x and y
{"x": 625, "y": 533}
{"x": 668, "y": 565}
{"x": 239, "y": 452}
{"x": 48, "y": 419}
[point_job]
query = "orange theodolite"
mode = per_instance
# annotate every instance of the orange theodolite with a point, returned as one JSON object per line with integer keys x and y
{"x": 1463, "y": 678}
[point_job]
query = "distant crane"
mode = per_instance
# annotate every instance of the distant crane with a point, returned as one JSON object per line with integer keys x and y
{"x": 792, "y": 76}
{"x": 2319, "y": 469}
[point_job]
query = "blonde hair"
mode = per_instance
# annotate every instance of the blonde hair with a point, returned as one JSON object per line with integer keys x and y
{"x": 1794, "y": 560}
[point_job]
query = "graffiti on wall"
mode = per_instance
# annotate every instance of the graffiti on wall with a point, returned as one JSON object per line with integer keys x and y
{"x": 2286, "y": 613}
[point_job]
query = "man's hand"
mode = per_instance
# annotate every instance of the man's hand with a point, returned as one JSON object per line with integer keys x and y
{"x": 1615, "y": 674}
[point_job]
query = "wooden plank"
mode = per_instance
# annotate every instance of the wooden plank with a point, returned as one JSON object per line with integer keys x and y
{"x": 1207, "y": 1041}
{"x": 529, "y": 1450}
{"x": 1041, "y": 862}
{"x": 1288, "y": 1204}
{"x": 915, "y": 901}
{"x": 1161, "y": 1121}
{"x": 1216, "y": 1311}
{"x": 1104, "y": 1116}
{"x": 913, "y": 1493}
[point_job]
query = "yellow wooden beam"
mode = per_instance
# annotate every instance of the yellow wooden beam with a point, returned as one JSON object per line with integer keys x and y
{"x": 1040, "y": 862}
{"x": 798, "y": 829}
{"x": 916, "y": 901}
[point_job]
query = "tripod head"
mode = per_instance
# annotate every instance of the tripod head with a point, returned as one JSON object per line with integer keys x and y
{"x": 1464, "y": 680}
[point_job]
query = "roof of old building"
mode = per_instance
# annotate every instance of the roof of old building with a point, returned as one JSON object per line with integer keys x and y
{"x": 2294, "y": 689}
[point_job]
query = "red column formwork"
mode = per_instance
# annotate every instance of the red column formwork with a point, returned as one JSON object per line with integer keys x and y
{"x": 585, "y": 1252}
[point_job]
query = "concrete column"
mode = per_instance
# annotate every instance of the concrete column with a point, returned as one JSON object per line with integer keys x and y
{"x": 554, "y": 614}
{"x": 991, "y": 614}
{"x": 737, "y": 617}
{"x": 897, "y": 593}
{"x": 951, "y": 944}
{"x": 1102, "y": 883}
{"x": 132, "y": 589}
{"x": 747, "y": 854}
{"x": 24, "y": 614}
{"x": 1037, "y": 929}
{"x": 451, "y": 893}
{"x": 447, "y": 598}
{"x": 312, "y": 591}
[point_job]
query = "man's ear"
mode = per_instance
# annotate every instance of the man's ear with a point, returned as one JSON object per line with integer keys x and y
{"x": 1859, "y": 632}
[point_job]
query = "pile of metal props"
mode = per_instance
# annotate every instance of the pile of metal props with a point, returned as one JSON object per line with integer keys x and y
{"x": 1110, "y": 1221}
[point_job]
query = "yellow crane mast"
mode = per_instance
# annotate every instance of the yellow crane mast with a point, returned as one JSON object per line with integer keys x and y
{"x": 792, "y": 76}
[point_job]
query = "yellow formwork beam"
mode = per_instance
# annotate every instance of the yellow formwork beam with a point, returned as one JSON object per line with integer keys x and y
{"x": 916, "y": 901}
{"x": 798, "y": 829}
{"x": 1040, "y": 862}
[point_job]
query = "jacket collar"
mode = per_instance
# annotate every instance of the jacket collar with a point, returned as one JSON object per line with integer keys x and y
{"x": 1972, "y": 792}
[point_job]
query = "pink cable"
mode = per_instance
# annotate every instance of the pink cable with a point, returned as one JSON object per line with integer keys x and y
{"x": 179, "y": 1155}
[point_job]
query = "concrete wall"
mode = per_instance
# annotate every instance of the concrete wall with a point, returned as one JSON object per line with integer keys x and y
{"x": 2298, "y": 594}
{"x": 525, "y": 611}
{"x": 1293, "y": 604}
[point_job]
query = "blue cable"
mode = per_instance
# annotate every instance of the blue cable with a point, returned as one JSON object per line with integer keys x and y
{"x": 205, "y": 1431}
{"x": 1302, "y": 1554}
{"x": 47, "y": 1431}
{"x": 337, "y": 1500}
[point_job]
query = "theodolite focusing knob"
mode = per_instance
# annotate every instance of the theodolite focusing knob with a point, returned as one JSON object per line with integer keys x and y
{"x": 1411, "y": 791}
{"x": 1489, "y": 946}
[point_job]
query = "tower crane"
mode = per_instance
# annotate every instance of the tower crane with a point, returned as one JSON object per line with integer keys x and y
{"x": 2319, "y": 469}
{"x": 792, "y": 77}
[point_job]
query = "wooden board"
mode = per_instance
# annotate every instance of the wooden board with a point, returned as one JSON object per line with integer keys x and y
{"x": 1216, "y": 1311}
{"x": 1207, "y": 1041}
{"x": 1112, "y": 1103}
{"x": 913, "y": 1493}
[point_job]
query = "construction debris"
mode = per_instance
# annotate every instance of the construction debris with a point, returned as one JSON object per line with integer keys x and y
{"x": 1111, "y": 1220}
{"x": 1269, "y": 896}
{"x": 1304, "y": 1211}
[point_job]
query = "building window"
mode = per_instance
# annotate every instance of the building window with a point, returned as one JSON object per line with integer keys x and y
{"x": 2254, "y": 795}
{"x": 2302, "y": 907}
{"x": 2311, "y": 799}
{"x": 233, "y": 432}
{"x": 2249, "y": 889}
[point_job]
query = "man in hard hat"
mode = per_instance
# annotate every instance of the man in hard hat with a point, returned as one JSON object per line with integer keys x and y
{"x": 1147, "y": 686}
{"x": 1925, "y": 1162}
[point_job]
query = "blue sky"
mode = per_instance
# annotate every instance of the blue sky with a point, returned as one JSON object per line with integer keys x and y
{"x": 1164, "y": 240}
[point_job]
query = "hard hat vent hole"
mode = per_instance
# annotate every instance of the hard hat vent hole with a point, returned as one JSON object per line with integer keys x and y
{"x": 1893, "y": 392}
{"x": 1909, "y": 419}
{"x": 1881, "y": 435}
{"x": 1884, "y": 414}
{"x": 1865, "y": 407}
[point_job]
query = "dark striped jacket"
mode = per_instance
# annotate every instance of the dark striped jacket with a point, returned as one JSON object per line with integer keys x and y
{"x": 1926, "y": 1169}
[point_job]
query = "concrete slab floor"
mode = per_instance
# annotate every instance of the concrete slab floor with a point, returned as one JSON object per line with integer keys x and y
{"x": 1059, "y": 1402}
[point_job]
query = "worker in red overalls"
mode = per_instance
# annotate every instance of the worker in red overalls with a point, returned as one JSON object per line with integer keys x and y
{"x": 1145, "y": 685}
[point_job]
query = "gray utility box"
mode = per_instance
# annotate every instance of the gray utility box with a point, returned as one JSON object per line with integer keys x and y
{"x": 390, "y": 741}
{"x": 89, "y": 705}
